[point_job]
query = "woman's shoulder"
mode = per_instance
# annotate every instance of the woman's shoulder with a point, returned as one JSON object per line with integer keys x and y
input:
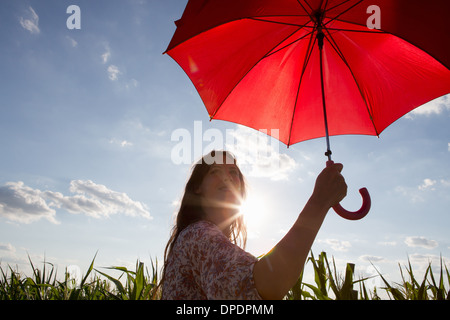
{"x": 199, "y": 238}
{"x": 200, "y": 229}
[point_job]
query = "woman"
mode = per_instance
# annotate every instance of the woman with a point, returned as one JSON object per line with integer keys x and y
{"x": 202, "y": 259}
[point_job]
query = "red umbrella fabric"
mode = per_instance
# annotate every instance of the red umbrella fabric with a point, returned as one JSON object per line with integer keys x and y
{"x": 254, "y": 62}
{"x": 258, "y": 62}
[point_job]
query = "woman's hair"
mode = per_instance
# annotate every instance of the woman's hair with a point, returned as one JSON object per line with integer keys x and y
{"x": 190, "y": 210}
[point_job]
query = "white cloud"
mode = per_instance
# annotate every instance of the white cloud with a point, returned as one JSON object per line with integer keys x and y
{"x": 31, "y": 24}
{"x": 419, "y": 193}
{"x": 422, "y": 258}
{"x": 373, "y": 259}
{"x": 337, "y": 245}
{"x": 436, "y": 106}
{"x": 107, "y": 54}
{"x": 23, "y": 204}
{"x": 121, "y": 143}
{"x": 113, "y": 72}
{"x": 72, "y": 41}
{"x": 422, "y": 261}
{"x": 133, "y": 83}
{"x": 259, "y": 153}
{"x": 388, "y": 243}
{"x": 421, "y": 242}
{"x": 445, "y": 183}
{"x": 427, "y": 184}
{"x": 8, "y": 247}
{"x": 110, "y": 201}
{"x": 411, "y": 193}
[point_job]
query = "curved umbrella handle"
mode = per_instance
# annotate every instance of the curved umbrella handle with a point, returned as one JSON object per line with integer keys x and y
{"x": 362, "y": 212}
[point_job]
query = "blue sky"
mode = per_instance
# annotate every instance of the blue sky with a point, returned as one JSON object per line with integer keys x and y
{"x": 91, "y": 121}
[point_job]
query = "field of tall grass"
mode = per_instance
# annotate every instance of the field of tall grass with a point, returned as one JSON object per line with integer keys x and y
{"x": 142, "y": 283}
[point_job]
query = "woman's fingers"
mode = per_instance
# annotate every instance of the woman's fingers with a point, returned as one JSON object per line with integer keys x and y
{"x": 330, "y": 186}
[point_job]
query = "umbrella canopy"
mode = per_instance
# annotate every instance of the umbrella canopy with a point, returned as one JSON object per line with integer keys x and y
{"x": 314, "y": 68}
{"x": 256, "y": 62}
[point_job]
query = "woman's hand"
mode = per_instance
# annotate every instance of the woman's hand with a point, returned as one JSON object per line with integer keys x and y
{"x": 330, "y": 187}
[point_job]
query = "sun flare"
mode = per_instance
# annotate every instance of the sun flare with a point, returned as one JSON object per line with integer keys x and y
{"x": 254, "y": 209}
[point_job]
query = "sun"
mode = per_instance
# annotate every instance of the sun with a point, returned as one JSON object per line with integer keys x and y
{"x": 255, "y": 210}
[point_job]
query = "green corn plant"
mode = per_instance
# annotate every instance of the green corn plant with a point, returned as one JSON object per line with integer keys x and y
{"x": 138, "y": 285}
{"x": 438, "y": 291}
{"x": 154, "y": 290}
{"x": 343, "y": 290}
{"x": 326, "y": 277}
{"x": 320, "y": 277}
{"x": 365, "y": 294}
{"x": 141, "y": 284}
{"x": 84, "y": 291}
{"x": 296, "y": 292}
{"x": 412, "y": 290}
{"x": 11, "y": 288}
{"x": 42, "y": 285}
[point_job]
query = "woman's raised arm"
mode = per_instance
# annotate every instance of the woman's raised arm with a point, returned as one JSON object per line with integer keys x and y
{"x": 276, "y": 272}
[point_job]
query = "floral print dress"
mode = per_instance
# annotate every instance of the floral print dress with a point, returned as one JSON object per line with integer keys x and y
{"x": 205, "y": 264}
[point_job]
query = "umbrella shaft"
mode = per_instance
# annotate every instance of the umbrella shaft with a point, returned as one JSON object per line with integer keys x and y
{"x": 320, "y": 37}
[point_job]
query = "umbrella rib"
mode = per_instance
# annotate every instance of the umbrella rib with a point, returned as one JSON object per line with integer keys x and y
{"x": 256, "y": 63}
{"x": 349, "y": 22}
{"x": 279, "y": 22}
{"x": 380, "y": 31}
{"x": 340, "y": 4}
{"x": 239, "y": 19}
{"x": 308, "y": 56}
{"x": 341, "y": 13}
{"x": 309, "y": 13}
{"x": 305, "y": 8}
{"x": 353, "y": 30}
{"x": 289, "y": 44}
{"x": 335, "y": 46}
{"x": 325, "y": 6}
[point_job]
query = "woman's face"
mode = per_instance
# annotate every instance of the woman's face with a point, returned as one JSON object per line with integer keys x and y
{"x": 221, "y": 187}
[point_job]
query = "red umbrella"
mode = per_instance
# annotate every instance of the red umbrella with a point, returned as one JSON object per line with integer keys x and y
{"x": 315, "y": 68}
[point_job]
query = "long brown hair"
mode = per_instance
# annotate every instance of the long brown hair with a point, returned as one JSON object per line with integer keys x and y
{"x": 190, "y": 210}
